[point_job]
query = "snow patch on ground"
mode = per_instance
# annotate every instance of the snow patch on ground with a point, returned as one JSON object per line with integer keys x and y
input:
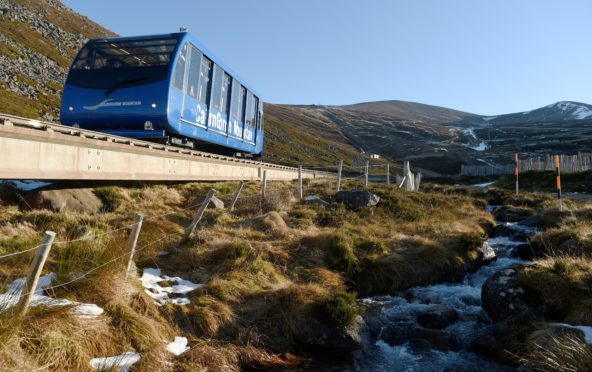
{"x": 175, "y": 294}
{"x": 480, "y": 147}
{"x": 122, "y": 362}
{"x": 13, "y": 292}
{"x": 178, "y": 346}
{"x": 490, "y": 118}
{"x": 585, "y": 329}
{"x": 483, "y": 185}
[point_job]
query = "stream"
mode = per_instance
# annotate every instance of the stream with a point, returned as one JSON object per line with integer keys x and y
{"x": 451, "y": 315}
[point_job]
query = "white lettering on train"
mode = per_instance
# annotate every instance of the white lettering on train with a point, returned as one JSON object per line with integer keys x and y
{"x": 217, "y": 122}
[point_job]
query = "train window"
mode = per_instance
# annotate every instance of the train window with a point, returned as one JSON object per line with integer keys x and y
{"x": 225, "y": 96}
{"x": 242, "y": 104}
{"x": 193, "y": 75}
{"x": 120, "y": 54}
{"x": 205, "y": 80}
{"x": 235, "y": 100}
{"x": 179, "y": 74}
{"x": 250, "y": 118}
{"x": 256, "y": 112}
{"x": 215, "y": 102}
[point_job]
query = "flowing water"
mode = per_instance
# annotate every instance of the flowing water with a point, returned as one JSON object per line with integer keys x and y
{"x": 389, "y": 317}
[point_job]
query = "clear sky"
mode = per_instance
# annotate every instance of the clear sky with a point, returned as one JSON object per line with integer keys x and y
{"x": 482, "y": 56}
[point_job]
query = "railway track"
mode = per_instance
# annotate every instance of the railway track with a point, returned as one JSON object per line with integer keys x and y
{"x": 33, "y": 149}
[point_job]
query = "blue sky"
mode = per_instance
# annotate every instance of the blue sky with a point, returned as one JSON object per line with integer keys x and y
{"x": 487, "y": 57}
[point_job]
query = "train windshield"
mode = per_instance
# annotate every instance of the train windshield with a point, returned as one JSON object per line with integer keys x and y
{"x": 109, "y": 64}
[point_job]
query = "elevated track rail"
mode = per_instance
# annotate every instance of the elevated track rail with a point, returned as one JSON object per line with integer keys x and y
{"x": 33, "y": 149}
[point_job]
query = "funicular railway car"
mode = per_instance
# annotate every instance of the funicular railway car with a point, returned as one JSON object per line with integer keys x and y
{"x": 163, "y": 88}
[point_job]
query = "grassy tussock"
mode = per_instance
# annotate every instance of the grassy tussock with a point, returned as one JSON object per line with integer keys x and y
{"x": 549, "y": 351}
{"x": 271, "y": 271}
{"x": 565, "y": 284}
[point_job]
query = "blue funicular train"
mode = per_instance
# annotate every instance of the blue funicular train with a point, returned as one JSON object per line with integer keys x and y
{"x": 163, "y": 88}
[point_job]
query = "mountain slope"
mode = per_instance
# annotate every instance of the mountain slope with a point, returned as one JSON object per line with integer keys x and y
{"x": 38, "y": 39}
{"x": 556, "y": 112}
{"x": 411, "y": 111}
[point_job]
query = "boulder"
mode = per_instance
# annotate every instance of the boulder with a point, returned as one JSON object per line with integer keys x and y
{"x": 441, "y": 316}
{"x": 501, "y": 295}
{"x": 486, "y": 254}
{"x": 501, "y": 230}
{"x": 533, "y": 221}
{"x": 322, "y": 336}
{"x": 66, "y": 200}
{"x": 215, "y": 203}
{"x": 526, "y": 252}
{"x": 313, "y": 199}
{"x": 271, "y": 221}
{"x": 356, "y": 199}
{"x": 400, "y": 333}
{"x": 512, "y": 214}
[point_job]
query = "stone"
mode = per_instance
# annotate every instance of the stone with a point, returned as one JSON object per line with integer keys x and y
{"x": 438, "y": 317}
{"x": 526, "y": 252}
{"x": 66, "y": 200}
{"x": 325, "y": 337}
{"x": 215, "y": 203}
{"x": 486, "y": 254}
{"x": 502, "y": 297}
{"x": 271, "y": 221}
{"x": 533, "y": 221}
{"x": 313, "y": 199}
{"x": 501, "y": 230}
{"x": 356, "y": 199}
{"x": 512, "y": 214}
{"x": 400, "y": 333}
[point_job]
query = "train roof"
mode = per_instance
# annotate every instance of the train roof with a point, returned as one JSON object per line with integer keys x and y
{"x": 185, "y": 36}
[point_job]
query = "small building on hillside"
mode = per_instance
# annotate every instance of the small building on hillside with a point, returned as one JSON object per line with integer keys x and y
{"x": 374, "y": 156}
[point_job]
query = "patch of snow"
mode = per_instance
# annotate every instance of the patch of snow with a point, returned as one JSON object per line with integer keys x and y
{"x": 181, "y": 287}
{"x": 585, "y": 329}
{"x": 490, "y": 118}
{"x": 13, "y": 293}
{"x": 122, "y": 362}
{"x": 582, "y": 112}
{"x": 178, "y": 346}
{"x": 483, "y": 185}
{"x": 480, "y": 147}
{"x": 26, "y": 185}
{"x": 526, "y": 112}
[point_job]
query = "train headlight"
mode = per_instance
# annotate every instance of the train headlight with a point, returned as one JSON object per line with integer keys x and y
{"x": 71, "y": 108}
{"x": 153, "y": 105}
{"x": 148, "y": 126}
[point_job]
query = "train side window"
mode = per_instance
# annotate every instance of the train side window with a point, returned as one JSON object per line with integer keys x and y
{"x": 216, "y": 99}
{"x": 205, "y": 80}
{"x": 250, "y": 119}
{"x": 256, "y": 112}
{"x": 242, "y": 104}
{"x": 225, "y": 96}
{"x": 179, "y": 74}
{"x": 191, "y": 89}
{"x": 235, "y": 100}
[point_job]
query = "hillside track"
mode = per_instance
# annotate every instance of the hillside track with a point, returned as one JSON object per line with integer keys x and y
{"x": 33, "y": 149}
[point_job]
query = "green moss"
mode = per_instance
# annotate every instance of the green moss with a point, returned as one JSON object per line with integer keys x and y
{"x": 14, "y": 104}
{"x": 110, "y": 196}
{"x": 237, "y": 249}
{"x": 339, "y": 254}
{"x": 340, "y": 309}
{"x": 371, "y": 246}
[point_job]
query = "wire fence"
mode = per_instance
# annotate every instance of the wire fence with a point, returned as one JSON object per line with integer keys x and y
{"x": 258, "y": 200}
{"x": 568, "y": 164}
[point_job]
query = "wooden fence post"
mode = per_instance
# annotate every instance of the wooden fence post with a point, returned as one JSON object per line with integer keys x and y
{"x": 366, "y": 174}
{"x": 199, "y": 214}
{"x": 388, "y": 174}
{"x": 264, "y": 185}
{"x": 300, "y": 191}
{"x": 133, "y": 241}
{"x": 34, "y": 273}
{"x": 236, "y": 195}
{"x": 339, "y": 175}
{"x": 516, "y": 171}
{"x": 558, "y": 181}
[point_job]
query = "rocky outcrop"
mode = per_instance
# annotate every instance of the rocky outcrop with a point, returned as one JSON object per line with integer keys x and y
{"x": 400, "y": 333}
{"x": 66, "y": 200}
{"x": 356, "y": 199}
{"x": 512, "y": 214}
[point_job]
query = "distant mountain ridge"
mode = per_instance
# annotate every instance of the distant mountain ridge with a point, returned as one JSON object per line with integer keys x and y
{"x": 556, "y": 112}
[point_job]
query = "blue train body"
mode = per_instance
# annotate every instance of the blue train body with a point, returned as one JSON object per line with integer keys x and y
{"x": 165, "y": 88}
